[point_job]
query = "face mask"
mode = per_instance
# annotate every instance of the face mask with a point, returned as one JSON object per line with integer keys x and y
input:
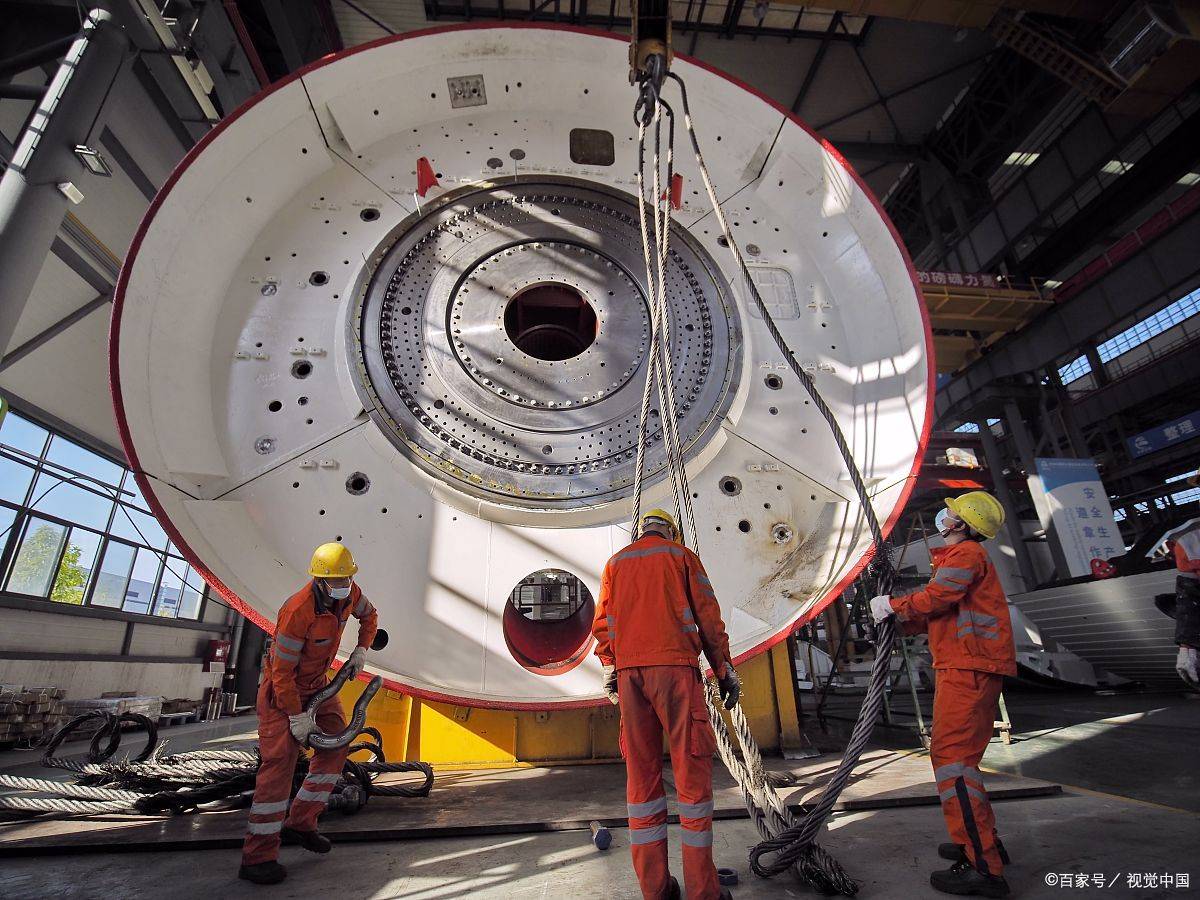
{"x": 339, "y": 593}
{"x": 942, "y": 524}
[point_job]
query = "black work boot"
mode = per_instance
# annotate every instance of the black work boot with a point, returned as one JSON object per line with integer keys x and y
{"x": 955, "y": 852}
{"x": 313, "y": 841}
{"x": 270, "y": 872}
{"x": 673, "y": 889}
{"x": 964, "y": 879}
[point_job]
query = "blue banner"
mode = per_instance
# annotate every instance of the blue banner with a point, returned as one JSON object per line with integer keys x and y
{"x": 1165, "y": 435}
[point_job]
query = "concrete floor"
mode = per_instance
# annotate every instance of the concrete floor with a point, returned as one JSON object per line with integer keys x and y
{"x": 1139, "y": 746}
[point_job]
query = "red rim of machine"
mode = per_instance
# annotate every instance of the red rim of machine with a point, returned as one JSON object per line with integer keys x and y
{"x": 147, "y": 487}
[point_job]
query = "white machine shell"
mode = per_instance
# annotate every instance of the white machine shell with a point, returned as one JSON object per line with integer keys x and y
{"x": 215, "y": 305}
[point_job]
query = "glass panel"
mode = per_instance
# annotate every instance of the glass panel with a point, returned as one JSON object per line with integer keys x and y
{"x": 166, "y": 602}
{"x": 193, "y": 590}
{"x": 7, "y": 516}
{"x": 34, "y": 567}
{"x": 142, "y": 530}
{"x": 14, "y": 480}
{"x": 76, "y": 567}
{"x": 71, "y": 502}
{"x": 140, "y": 592}
{"x": 136, "y": 499}
{"x": 114, "y": 572}
{"x": 23, "y": 434}
{"x": 69, "y": 454}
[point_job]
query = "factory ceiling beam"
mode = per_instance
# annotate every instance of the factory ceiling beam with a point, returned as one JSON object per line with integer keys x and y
{"x": 48, "y": 334}
{"x": 814, "y": 65}
{"x": 879, "y": 151}
{"x": 1154, "y": 173}
{"x": 32, "y": 205}
{"x": 966, "y": 14}
{"x": 908, "y": 88}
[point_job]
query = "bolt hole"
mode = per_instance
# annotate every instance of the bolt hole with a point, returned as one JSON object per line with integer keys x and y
{"x": 301, "y": 368}
{"x": 303, "y": 401}
{"x": 731, "y": 486}
{"x": 274, "y": 406}
{"x": 773, "y": 411}
{"x": 316, "y": 279}
{"x": 320, "y": 512}
{"x": 744, "y": 526}
{"x": 773, "y": 381}
{"x": 370, "y": 214}
{"x": 358, "y": 484}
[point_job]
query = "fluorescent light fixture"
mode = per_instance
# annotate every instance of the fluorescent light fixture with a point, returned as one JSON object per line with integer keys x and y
{"x": 1021, "y": 159}
{"x": 93, "y": 161}
{"x": 1189, "y": 179}
{"x": 71, "y": 192}
{"x": 1116, "y": 167}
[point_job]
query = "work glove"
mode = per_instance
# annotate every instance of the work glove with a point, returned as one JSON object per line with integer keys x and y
{"x": 610, "y": 684}
{"x": 1187, "y": 664}
{"x": 357, "y": 661}
{"x": 731, "y": 688}
{"x": 302, "y": 725}
{"x": 881, "y": 607}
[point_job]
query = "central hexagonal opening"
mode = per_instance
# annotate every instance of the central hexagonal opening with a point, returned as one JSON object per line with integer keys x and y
{"x": 550, "y": 321}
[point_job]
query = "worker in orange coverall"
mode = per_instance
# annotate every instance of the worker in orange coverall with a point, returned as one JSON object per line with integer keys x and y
{"x": 1187, "y": 600}
{"x": 657, "y": 612}
{"x": 306, "y": 641}
{"x": 970, "y": 637}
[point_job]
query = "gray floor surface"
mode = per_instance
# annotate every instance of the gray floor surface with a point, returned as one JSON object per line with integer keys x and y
{"x": 1129, "y": 812}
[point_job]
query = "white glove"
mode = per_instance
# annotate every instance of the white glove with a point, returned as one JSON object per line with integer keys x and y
{"x": 610, "y": 684}
{"x": 881, "y": 607}
{"x": 1187, "y": 664}
{"x": 357, "y": 661}
{"x": 302, "y": 725}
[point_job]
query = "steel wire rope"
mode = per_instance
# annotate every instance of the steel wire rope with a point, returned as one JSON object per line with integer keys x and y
{"x": 787, "y": 842}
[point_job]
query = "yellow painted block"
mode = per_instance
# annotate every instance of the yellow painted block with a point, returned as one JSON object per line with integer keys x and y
{"x": 390, "y": 712}
{"x": 459, "y": 735}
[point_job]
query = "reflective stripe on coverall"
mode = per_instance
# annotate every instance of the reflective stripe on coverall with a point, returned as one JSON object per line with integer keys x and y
{"x": 970, "y": 637}
{"x": 307, "y": 636}
{"x": 657, "y": 612}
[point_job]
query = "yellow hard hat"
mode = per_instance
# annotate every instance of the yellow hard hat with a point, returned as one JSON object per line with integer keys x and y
{"x": 660, "y": 515}
{"x": 332, "y": 561}
{"x": 980, "y": 510}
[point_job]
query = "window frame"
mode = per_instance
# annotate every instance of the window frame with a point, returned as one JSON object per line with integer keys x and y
{"x": 121, "y": 497}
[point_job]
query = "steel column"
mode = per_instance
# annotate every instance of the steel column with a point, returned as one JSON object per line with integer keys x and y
{"x": 31, "y": 204}
{"x": 1012, "y": 520}
{"x": 1014, "y": 424}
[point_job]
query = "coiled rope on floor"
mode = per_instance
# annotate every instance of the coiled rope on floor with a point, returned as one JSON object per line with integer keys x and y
{"x": 788, "y": 842}
{"x": 153, "y": 784}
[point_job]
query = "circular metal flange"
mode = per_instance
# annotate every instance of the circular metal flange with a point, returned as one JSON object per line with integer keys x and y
{"x": 443, "y": 374}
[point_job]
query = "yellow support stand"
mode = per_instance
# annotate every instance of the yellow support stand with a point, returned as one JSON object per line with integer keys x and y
{"x": 461, "y": 737}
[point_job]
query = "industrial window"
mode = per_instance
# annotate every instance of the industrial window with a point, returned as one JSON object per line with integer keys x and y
{"x": 1155, "y": 324}
{"x": 74, "y": 528}
{"x": 1188, "y": 494}
{"x": 1074, "y": 370}
{"x": 972, "y": 428}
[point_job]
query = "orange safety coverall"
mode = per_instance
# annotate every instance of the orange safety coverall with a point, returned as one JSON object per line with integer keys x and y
{"x": 307, "y": 635}
{"x": 970, "y": 637}
{"x": 657, "y": 612}
{"x": 1187, "y": 588}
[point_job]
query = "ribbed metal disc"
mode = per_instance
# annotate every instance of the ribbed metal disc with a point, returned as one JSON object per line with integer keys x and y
{"x": 542, "y": 412}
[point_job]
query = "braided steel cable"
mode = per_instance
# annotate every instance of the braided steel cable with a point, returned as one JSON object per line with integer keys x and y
{"x": 65, "y": 789}
{"x": 787, "y": 843}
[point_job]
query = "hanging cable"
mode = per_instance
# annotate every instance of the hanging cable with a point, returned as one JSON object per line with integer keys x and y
{"x": 787, "y": 842}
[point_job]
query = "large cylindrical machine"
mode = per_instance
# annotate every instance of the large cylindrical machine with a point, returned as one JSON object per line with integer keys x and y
{"x": 311, "y": 342}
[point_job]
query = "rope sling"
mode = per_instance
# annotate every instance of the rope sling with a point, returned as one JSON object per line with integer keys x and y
{"x": 787, "y": 842}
